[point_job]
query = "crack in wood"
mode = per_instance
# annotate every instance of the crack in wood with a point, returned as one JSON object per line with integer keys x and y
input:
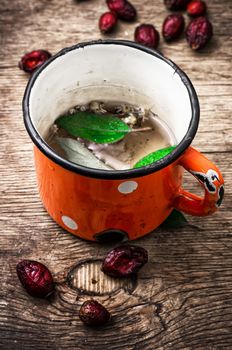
{"x": 158, "y": 311}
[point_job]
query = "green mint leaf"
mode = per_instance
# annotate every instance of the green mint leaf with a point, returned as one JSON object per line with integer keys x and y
{"x": 79, "y": 154}
{"x": 154, "y": 156}
{"x": 94, "y": 127}
{"x": 175, "y": 220}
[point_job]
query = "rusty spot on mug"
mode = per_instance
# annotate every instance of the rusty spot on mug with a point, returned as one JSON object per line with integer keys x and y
{"x": 88, "y": 279}
{"x": 111, "y": 236}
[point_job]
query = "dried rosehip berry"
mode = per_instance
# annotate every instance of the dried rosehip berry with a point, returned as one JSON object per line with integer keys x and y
{"x": 35, "y": 278}
{"x": 93, "y": 313}
{"x": 147, "y": 35}
{"x": 123, "y": 8}
{"x": 115, "y": 5}
{"x": 196, "y": 8}
{"x": 173, "y": 27}
{"x": 199, "y": 32}
{"x": 176, "y": 5}
{"x": 107, "y": 22}
{"x": 32, "y": 60}
{"x": 124, "y": 261}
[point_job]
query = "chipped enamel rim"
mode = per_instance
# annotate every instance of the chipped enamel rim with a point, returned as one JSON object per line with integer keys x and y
{"x": 115, "y": 174}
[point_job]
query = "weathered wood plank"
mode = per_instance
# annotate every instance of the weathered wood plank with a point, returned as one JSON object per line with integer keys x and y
{"x": 182, "y": 297}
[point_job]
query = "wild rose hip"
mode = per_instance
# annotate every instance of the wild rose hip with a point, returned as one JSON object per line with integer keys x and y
{"x": 199, "y": 32}
{"x": 147, "y": 35}
{"x": 173, "y": 27}
{"x": 176, "y": 5}
{"x": 124, "y": 261}
{"x": 32, "y": 60}
{"x": 115, "y": 5}
{"x": 93, "y": 313}
{"x": 128, "y": 13}
{"x": 107, "y": 22}
{"x": 35, "y": 278}
{"x": 196, "y": 8}
{"x": 123, "y": 8}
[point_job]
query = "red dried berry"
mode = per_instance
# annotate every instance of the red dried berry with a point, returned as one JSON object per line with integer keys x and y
{"x": 93, "y": 313}
{"x": 123, "y": 8}
{"x": 173, "y": 27}
{"x": 199, "y": 32}
{"x": 32, "y": 60}
{"x": 35, "y": 278}
{"x": 147, "y": 35}
{"x": 196, "y": 8}
{"x": 107, "y": 22}
{"x": 176, "y": 5}
{"x": 115, "y": 5}
{"x": 124, "y": 261}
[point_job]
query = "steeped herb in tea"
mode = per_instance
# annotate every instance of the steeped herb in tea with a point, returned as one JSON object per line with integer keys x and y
{"x": 154, "y": 157}
{"x": 111, "y": 136}
{"x": 94, "y": 127}
{"x": 79, "y": 154}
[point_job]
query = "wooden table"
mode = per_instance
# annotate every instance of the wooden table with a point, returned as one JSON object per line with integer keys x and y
{"x": 182, "y": 299}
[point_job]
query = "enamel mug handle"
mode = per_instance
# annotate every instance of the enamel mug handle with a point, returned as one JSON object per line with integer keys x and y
{"x": 210, "y": 179}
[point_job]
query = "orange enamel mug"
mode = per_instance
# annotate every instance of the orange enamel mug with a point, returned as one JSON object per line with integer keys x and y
{"x": 99, "y": 204}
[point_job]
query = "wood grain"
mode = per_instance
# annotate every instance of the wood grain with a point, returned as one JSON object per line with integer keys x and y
{"x": 182, "y": 298}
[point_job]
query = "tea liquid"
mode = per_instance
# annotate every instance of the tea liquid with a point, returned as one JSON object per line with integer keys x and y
{"x": 152, "y": 134}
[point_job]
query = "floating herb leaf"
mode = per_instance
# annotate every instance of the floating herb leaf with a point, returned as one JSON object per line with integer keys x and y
{"x": 94, "y": 127}
{"x": 154, "y": 157}
{"x": 79, "y": 154}
{"x": 175, "y": 220}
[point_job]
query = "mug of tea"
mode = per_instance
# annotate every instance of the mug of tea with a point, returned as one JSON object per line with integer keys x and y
{"x": 113, "y": 198}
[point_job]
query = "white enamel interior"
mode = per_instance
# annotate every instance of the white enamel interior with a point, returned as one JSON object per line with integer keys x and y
{"x": 110, "y": 72}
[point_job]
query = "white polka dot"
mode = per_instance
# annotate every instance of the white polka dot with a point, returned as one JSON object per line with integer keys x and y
{"x": 127, "y": 187}
{"x": 70, "y": 223}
